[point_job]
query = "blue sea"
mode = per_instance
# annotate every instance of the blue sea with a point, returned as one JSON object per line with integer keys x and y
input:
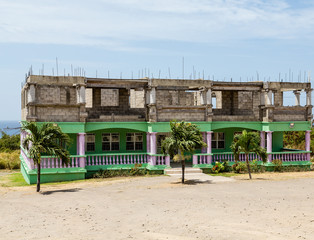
{"x": 10, "y": 127}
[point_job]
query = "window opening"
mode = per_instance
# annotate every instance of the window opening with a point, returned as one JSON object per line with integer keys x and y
{"x": 218, "y": 140}
{"x": 134, "y": 141}
{"x": 90, "y": 142}
{"x": 110, "y": 141}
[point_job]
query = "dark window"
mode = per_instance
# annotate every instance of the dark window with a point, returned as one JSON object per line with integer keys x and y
{"x": 110, "y": 141}
{"x": 90, "y": 142}
{"x": 134, "y": 141}
{"x": 218, "y": 140}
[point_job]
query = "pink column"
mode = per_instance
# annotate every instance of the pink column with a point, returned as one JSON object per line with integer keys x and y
{"x": 77, "y": 144}
{"x": 148, "y": 142}
{"x": 262, "y": 134}
{"x": 81, "y": 149}
{"x": 269, "y": 145}
{"x": 153, "y": 147}
{"x": 308, "y": 144}
{"x": 148, "y": 147}
{"x": 209, "y": 146}
{"x": 204, "y": 140}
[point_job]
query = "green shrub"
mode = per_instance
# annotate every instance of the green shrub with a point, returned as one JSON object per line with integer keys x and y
{"x": 220, "y": 167}
{"x": 256, "y": 168}
{"x": 277, "y": 165}
{"x": 239, "y": 167}
{"x": 135, "y": 171}
{"x": 9, "y": 143}
{"x": 10, "y": 160}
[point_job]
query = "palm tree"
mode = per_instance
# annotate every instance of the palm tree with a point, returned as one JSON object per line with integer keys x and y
{"x": 248, "y": 142}
{"x": 45, "y": 139}
{"x": 185, "y": 137}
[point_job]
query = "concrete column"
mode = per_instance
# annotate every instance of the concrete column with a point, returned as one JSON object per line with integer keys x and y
{"x": 297, "y": 97}
{"x": 263, "y": 95}
{"x": 147, "y": 96}
{"x": 31, "y": 94}
{"x": 153, "y": 147}
{"x": 262, "y": 134}
{"x": 269, "y": 145}
{"x": 81, "y": 149}
{"x": 203, "y": 97}
{"x": 152, "y": 98}
{"x": 309, "y": 97}
{"x": 82, "y": 94}
{"x": 308, "y": 144}
{"x": 209, "y": 96}
{"x": 269, "y": 97}
{"x": 209, "y": 146}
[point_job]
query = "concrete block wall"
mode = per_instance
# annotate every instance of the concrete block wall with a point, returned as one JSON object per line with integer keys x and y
{"x": 137, "y": 99}
{"x": 46, "y": 94}
{"x": 123, "y": 108}
{"x": 57, "y": 114}
{"x": 176, "y": 98}
{"x": 187, "y": 115}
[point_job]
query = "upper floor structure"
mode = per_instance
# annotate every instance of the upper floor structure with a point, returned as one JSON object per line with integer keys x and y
{"x": 80, "y": 99}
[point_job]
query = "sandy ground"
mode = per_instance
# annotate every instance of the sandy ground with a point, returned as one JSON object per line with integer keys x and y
{"x": 273, "y": 206}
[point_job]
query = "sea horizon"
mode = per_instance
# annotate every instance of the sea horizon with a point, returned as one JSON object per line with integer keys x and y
{"x": 10, "y": 127}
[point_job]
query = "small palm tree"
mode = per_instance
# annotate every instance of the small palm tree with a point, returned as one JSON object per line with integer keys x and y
{"x": 248, "y": 142}
{"x": 45, "y": 139}
{"x": 185, "y": 137}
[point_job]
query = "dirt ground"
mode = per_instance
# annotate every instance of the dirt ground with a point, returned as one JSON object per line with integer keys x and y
{"x": 272, "y": 206}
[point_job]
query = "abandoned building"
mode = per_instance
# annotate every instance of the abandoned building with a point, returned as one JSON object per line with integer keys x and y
{"x": 116, "y": 123}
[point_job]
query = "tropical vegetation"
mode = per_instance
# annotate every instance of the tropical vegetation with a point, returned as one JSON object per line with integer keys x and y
{"x": 185, "y": 138}
{"x": 45, "y": 139}
{"x": 248, "y": 142}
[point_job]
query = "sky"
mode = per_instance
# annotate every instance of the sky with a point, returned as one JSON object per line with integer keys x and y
{"x": 246, "y": 40}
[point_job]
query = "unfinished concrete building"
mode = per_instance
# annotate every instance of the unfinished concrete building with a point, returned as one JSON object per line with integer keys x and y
{"x": 116, "y": 123}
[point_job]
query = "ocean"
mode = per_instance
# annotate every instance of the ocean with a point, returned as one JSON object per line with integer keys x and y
{"x": 10, "y": 127}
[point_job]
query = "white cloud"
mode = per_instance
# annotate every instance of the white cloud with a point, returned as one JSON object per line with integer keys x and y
{"x": 120, "y": 24}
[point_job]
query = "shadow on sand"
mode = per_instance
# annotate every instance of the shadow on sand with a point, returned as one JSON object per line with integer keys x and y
{"x": 194, "y": 182}
{"x": 61, "y": 191}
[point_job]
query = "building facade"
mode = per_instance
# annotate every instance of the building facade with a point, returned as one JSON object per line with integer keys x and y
{"x": 116, "y": 123}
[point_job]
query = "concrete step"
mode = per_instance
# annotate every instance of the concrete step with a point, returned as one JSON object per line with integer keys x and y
{"x": 178, "y": 171}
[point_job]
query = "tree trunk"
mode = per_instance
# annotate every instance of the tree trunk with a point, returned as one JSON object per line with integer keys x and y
{"x": 183, "y": 168}
{"x": 248, "y": 165}
{"x": 38, "y": 177}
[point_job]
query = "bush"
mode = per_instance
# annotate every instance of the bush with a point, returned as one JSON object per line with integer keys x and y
{"x": 9, "y": 143}
{"x": 221, "y": 167}
{"x": 256, "y": 168}
{"x": 239, "y": 167}
{"x": 277, "y": 165}
{"x": 10, "y": 160}
{"x": 135, "y": 171}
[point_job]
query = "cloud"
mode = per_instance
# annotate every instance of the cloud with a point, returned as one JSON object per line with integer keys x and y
{"x": 123, "y": 24}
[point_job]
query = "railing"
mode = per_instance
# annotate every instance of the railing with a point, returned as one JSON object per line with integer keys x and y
{"x": 291, "y": 156}
{"x": 116, "y": 159}
{"x": 98, "y": 159}
{"x": 53, "y": 162}
{"x": 29, "y": 161}
{"x": 159, "y": 159}
{"x": 202, "y": 158}
{"x": 228, "y": 156}
{"x": 283, "y": 156}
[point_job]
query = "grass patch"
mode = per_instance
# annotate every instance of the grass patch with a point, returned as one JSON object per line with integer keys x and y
{"x": 13, "y": 180}
{"x": 225, "y": 174}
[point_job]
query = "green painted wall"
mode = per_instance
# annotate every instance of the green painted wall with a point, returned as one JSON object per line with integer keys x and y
{"x": 72, "y": 147}
{"x": 122, "y": 132}
{"x": 277, "y": 141}
{"x": 78, "y": 127}
{"x": 229, "y": 133}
